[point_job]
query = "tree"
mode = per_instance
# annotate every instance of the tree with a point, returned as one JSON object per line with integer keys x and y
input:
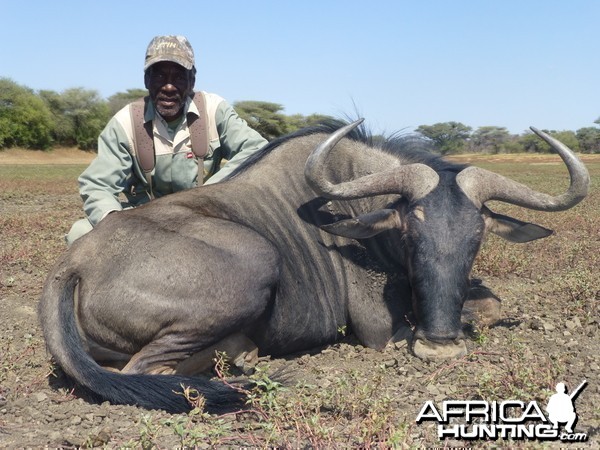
{"x": 568, "y": 138}
{"x": 62, "y": 126}
{"x": 25, "y": 120}
{"x": 298, "y": 121}
{"x": 117, "y": 101}
{"x": 533, "y": 144}
{"x": 268, "y": 119}
{"x": 79, "y": 116}
{"x": 589, "y": 139}
{"x": 448, "y": 137}
{"x": 264, "y": 117}
{"x": 490, "y": 139}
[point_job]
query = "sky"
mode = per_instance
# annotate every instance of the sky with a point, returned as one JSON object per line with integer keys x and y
{"x": 399, "y": 64}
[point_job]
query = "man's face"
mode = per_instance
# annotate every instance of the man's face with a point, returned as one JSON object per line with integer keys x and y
{"x": 169, "y": 85}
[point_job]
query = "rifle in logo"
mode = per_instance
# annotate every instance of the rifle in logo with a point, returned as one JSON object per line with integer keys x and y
{"x": 579, "y": 388}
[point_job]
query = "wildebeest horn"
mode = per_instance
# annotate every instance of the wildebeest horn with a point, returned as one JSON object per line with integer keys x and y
{"x": 413, "y": 180}
{"x": 481, "y": 185}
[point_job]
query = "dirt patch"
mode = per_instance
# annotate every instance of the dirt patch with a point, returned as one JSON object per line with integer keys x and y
{"x": 55, "y": 156}
{"x": 341, "y": 396}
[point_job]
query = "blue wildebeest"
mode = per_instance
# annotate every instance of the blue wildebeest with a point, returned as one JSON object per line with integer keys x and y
{"x": 321, "y": 231}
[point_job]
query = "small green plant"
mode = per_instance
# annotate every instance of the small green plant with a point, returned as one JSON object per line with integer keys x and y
{"x": 479, "y": 335}
{"x": 148, "y": 432}
{"x": 187, "y": 430}
{"x": 397, "y": 436}
{"x": 265, "y": 392}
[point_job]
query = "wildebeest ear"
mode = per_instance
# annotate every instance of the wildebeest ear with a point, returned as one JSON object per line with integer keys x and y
{"x": 366, "y": 225}
{"x": 512, "y": 229}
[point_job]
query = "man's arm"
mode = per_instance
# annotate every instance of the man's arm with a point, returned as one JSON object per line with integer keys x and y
{"x": 103, "y": 180}
{"x": 238, "y": 140}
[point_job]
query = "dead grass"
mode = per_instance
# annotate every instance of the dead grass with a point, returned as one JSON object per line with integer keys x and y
{"x": 530, "y": 158}
{"x": 348, "y": 397}
{"x": 62, "y": 155}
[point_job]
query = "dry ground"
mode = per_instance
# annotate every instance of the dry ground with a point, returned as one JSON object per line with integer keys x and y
{"x": 342, "y": 396}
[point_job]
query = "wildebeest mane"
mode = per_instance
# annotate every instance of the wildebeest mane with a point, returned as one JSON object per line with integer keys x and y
{"x": 410, "y": 147}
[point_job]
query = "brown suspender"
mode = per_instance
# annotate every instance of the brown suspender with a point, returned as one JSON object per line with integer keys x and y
{"x": 143, "y": 146}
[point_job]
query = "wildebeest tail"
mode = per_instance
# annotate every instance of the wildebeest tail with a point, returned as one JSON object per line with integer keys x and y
{"x": 57, "y": 315}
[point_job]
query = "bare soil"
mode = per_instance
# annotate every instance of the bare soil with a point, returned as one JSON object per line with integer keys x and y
{"x": 341, "y": 396}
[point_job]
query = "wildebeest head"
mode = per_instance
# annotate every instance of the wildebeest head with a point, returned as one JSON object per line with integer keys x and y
{"x": 442, "y": 220}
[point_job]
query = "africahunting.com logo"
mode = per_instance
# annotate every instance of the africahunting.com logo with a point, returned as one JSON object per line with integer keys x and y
{"x": 510, "y": 419}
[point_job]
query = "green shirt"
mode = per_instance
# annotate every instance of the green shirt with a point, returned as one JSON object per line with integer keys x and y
{"x": 115, "y": 171}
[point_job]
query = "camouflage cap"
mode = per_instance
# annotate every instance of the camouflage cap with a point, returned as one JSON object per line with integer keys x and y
{"x": 176, "y": 49}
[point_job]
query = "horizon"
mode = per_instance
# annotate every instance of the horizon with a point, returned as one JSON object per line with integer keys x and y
{"x": 398, "y": 64}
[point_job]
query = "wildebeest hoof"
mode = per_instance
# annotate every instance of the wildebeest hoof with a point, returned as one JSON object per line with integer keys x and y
{"x": 431, "y": 351}
{"x": 246, "y": 361}
{"x": 403, "y": 334}
{"x": 482, "y": 306}
{"x": 163, "y": 370}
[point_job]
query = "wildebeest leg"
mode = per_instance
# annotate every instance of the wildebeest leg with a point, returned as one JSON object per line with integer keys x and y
{"x": 482, "y": 306}
{"x": 107, "y": 358}
{"x": 403, "y": 333}
{"x": 159, "y": 357}
{"x": 377, "y": 319}
{"x": 238, "y": 349}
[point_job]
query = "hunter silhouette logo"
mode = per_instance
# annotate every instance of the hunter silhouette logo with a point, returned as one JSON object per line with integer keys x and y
{"x": 561, "y": 406}
{"x": 510, "y": 419}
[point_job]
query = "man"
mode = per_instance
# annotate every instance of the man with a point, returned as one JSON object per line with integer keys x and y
{"x": 169, "y": 76}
